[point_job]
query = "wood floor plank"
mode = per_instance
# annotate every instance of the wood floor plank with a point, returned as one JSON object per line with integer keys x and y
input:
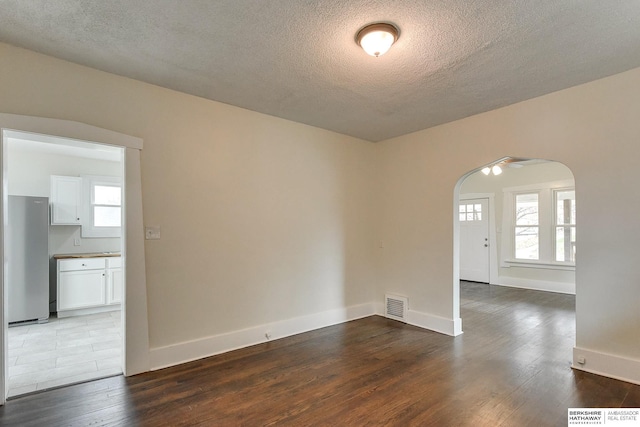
{"x": 511, "y": 367}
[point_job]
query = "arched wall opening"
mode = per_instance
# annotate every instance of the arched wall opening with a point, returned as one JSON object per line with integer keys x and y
{"x": 520, "y": 218}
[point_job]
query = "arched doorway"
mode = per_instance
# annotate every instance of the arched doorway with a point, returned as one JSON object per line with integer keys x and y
{"x": 527, "y": 208}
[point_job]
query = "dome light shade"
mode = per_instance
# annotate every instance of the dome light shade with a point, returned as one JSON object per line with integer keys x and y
{"x": 376, "y": 39}
{"x": 486, "y": 170}
{"x": 497, "y": 170}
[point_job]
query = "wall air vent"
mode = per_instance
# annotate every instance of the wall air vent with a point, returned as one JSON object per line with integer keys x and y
{"x": 395, "y": 307}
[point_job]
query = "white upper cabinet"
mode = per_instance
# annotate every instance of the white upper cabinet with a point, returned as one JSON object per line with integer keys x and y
{"x": 66, "y": 200}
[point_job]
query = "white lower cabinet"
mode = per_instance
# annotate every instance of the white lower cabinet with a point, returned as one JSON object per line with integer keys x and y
{"x": 81, "y": 289}
{"x": 89, "y": 285}
{"x": 115, "y": 280}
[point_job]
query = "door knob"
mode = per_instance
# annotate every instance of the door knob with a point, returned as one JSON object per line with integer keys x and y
{"x": 486, "y": 246}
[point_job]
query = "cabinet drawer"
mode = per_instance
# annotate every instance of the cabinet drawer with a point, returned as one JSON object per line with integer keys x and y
{"x": 114, "y": 262}
{"x": 80, "y": 264}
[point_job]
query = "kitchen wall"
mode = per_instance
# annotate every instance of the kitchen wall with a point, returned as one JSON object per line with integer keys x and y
{"x": 29, "y": 174}
{"x": 531, "y": 174}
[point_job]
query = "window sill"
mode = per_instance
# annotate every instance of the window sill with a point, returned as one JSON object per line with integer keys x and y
{"x": 539, "y": 264}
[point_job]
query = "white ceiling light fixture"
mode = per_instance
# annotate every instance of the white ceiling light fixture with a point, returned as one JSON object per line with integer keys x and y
{"x": 495, "y": 169}
{"x": 376, "y": 39}
{"x": 511, "y": 162}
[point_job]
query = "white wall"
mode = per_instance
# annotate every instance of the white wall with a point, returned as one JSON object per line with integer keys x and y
{"x": 529, "y": 175}
{"x": 593, "y": 129}
{"x": 262, "y": 219}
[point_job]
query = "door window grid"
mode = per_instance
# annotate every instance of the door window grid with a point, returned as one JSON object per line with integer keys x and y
{"x": 470, "y": 212}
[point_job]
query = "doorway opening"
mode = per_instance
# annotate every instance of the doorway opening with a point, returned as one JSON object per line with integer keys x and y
{"x": 134, "y": 306}
{"x": 515, "y": 226}
{"x": 64, "y": 261}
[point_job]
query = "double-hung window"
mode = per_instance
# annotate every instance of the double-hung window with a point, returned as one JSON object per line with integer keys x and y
{"x": 106, "y": 205}
{"x": 541, "y": 224}
{"x": 565, "y": 225}
{"x": 527, "y": 226}
{"x": 103, "y": 212}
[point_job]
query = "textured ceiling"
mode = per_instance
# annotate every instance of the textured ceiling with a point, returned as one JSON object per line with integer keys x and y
{"x": 297, "y": 59}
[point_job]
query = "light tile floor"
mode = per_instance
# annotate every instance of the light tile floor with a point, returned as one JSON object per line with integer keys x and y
{"x": 64, "y": 351}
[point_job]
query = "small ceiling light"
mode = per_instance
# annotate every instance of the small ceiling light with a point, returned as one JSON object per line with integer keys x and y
{"x": 376, "y": 39}
{"x": 486, "y": 170}
{"x": 497, "y": 170}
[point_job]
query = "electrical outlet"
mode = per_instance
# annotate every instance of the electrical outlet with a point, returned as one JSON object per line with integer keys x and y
{"x": 581, "y": 360}
{"x": 76, "y": 241}
{"x": 152, "y": 232}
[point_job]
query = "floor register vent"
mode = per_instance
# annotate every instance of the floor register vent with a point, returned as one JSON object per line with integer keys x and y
{"x": 395, "y": 307}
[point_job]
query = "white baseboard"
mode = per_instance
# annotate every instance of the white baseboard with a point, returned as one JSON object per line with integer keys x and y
{"x": 86, "y": 311}
{"x": 429, "y": 321}
{"x": 538, "y": 285}
{"x": 162, "y": 357}
{"x": 435, "y": 323}
{"x": 607, "y": 365}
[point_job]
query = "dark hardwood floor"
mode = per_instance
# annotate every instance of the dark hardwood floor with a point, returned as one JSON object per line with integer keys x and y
{"x": 511, "y": 367}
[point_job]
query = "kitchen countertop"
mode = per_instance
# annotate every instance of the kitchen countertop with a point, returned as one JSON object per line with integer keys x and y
{"x": 87, "y": 255}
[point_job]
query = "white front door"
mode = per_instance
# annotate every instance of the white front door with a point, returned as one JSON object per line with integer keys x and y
{"x": 474, "y": 240}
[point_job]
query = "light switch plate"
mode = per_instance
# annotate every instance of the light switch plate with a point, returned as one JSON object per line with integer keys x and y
{"x": 152, "y": 232}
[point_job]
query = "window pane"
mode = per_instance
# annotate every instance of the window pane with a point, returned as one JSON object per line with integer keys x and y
{"x": 106, "y": 216}
{"x": 527, "y": 209}
{"x": 477, "y": 212}
{"x": 463, "y": 217}
{"x": 461, "y": 209}
{"x": 566, "y": 207}
{"x": 526, "y": 242}
{"x": 469, "y": 216}
{"x": 566, "y": 244}
{"x": 107, "y": 195}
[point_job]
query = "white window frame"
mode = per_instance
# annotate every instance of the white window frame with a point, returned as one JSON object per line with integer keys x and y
{"x": 538, "y": 225}
{"x": 546, "y": 226}
{"x": 88, "y": 184}
{"x": 555, "y": 221}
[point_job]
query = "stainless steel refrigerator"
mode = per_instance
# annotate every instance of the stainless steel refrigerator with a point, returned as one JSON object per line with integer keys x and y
{"x": 27, "y": 253}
